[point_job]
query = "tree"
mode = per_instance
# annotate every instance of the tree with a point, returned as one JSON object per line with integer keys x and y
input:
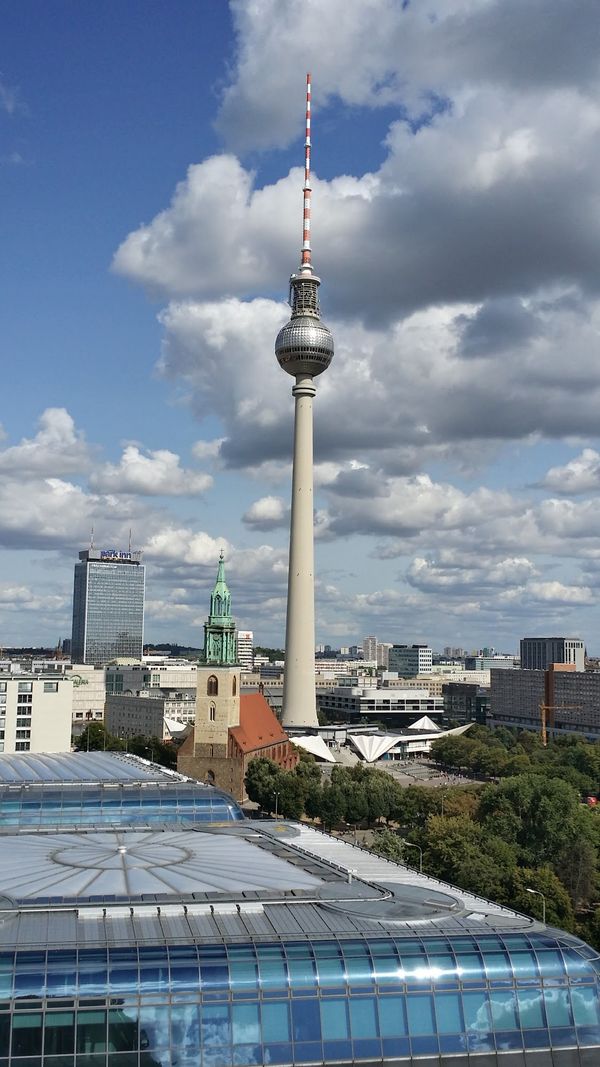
{"x": 95, "y": 737}
{"x": 378, "y": 797}
{"x": 152, "y": 748}
{"x": 333, "y": 806}
{"x": 291, "y": 795}
{"x": 460, "y": 851}
{"x": 357, "y": 806}
{"x": 388, "y": 844}
{"x": 559, "y": 911}
{"x": 262, "y": 783}
{"x": 538, "y": 813}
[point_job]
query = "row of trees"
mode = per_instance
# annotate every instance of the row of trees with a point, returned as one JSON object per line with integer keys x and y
{"x": 501, "y": 753}
{"x": 96, "y": 738}
{"x": 502, "y": 839}
{"x": 351, "y": 796}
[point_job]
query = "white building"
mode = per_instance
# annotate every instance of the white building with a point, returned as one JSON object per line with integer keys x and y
{"x": 166, "y": 674}
{"x": 89, "y": 693}
{"x": 35, "y": 713}
{"x": 370, "y": 647}
{"x": 347, "y": 703}
{"x": 245, "y": 650}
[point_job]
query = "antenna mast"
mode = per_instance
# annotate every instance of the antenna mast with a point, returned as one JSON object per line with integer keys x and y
{"x": 306, "y": 249}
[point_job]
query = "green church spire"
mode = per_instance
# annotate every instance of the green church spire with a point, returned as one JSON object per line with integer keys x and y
{"x": 219, "y": 629}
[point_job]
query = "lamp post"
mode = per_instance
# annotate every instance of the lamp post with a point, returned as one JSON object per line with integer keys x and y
{"x": 412, "y": 845}
{"x": 276, "y": 795}
{"x": 536, "y": 893}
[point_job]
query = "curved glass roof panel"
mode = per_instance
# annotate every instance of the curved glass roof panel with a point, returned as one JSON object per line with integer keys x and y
{"x": 28, "y": 767}
{"x": 114, "y": 804}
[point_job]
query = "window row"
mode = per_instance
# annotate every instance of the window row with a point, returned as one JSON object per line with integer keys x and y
{"x": 358, "y": 966}
{"x": 334, "y": 1028}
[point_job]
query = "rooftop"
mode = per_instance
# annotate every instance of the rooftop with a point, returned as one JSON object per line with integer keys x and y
{"x": 260, "y": 879}
{"x": 63, "y": 767}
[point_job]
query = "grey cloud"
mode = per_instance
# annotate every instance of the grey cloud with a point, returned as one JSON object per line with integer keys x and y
{"x": 496, "y": 326}
{"x": 412, "y": 50}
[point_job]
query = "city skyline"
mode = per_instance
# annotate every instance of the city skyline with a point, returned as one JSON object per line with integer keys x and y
{"x": 149, "y": 171}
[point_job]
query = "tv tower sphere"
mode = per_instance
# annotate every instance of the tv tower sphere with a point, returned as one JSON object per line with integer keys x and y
{"x": 304, "y": 349}
{"x": 304, "y": 346}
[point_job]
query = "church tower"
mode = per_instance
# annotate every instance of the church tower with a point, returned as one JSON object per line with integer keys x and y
{"x": 219, "y": 629}
{"x": 218, "y": 691}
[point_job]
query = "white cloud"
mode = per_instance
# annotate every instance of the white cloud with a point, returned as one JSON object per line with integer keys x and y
{"x": 207, "y": 449}
{"x": 580, "y": 475}
{"x": 22, "y": 598}
{"x": 157, "y": 473}
{"x": 57, "y": 449}
{"x": 268, "y": 513}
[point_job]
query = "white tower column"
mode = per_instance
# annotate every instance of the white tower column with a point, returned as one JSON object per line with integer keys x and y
{"x": 299, "y": 706}
{"x": 304, "y": 348}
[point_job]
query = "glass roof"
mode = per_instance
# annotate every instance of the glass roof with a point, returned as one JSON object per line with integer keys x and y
{"x": 133, "y": 863}
{"x": 27, "y": 767}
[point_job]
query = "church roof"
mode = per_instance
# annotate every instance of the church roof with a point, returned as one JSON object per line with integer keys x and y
{"x": 259, "y": 726}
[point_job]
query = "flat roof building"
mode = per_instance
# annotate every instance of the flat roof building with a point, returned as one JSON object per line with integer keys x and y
{"x": 108, "y": 606}
{"x": 537, "y": 653}
{"x": 400, "y": 705}
{"x": 572, "y": 699}
{"x": 35, "y": 712}
{"x": 409, "y": 660}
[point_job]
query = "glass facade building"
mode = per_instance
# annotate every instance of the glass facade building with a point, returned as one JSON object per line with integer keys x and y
{"x": 262, "y": 942}
{"x": 330, "y": 1001}
{"x": 108, "y": 607}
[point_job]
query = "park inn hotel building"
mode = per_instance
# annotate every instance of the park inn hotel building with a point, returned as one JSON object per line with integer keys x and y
{"x": 145, "y": 923}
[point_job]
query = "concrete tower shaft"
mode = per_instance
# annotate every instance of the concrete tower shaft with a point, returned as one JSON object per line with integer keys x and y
{"x": 304, "y": 349}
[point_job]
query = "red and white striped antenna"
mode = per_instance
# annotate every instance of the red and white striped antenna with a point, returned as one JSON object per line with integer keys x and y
{"x": 306, "y": 249}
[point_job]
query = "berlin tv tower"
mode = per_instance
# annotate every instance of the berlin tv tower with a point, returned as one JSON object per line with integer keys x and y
{"x": 304, "y": 348}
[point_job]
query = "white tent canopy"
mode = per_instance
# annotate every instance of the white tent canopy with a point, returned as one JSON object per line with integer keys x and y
{"x": 372, "y": 746}
{"x": 425, "y": 723}
{"x": 315, "y": 745}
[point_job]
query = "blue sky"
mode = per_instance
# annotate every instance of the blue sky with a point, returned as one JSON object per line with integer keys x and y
{"x": 150, "y": 183}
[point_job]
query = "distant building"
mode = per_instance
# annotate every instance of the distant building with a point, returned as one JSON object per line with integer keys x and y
{"x": 537, "y": 653}
{"x": 165, "y": 674}
{"x": 89, "y": 694}
{"x": 345, "y": 704}
{"x": 108, "y": 607}
{"x": 149, "y": 713}
{"x": 245, "y": 650}
{"x": 370, "y": 648}
{"x": 409, "y": 660}
{"x": 571, "y": 697}
{"x": 35, "y": 713}
{"x": 488, "y": 663}
{"x": 464, "y": 702}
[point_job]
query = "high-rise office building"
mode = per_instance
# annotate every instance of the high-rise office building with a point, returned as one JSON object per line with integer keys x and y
{"x": 304, "y": 348}
{"x": 410, "y": 660}
{"x": 370, "y": 648}
{"x": 245, "y": 650}
{"x": 537, "y": 653}
{"x": 108, "y": 606}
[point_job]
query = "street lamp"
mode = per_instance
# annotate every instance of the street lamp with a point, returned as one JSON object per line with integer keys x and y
{"x": 412, "y": 845}
{"x": 536, "y": 893}
{"x": 276, "y": 795}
